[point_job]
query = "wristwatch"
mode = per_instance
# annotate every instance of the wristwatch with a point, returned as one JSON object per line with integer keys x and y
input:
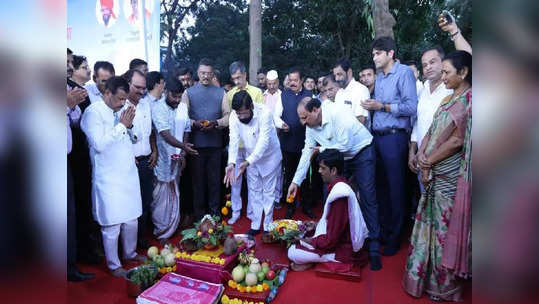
{"x": 383, "y": 109}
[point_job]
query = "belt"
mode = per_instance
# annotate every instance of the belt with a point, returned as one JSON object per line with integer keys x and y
{"x": 143, "y": 157}
{"x": 389, "y": 131}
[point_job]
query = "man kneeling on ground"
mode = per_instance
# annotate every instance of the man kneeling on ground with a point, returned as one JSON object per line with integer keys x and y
{"x": 341, "y": 231}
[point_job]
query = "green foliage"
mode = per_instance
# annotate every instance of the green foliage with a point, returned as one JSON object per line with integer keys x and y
{"x": 144, "y": 276}
{"x": 313, "y": 34}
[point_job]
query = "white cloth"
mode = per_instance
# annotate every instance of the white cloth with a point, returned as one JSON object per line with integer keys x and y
{"x": 352, "y": 96}
{"x": 299, "y": 256}
{"x": 152, "y": 100}
{"x": 93, "y": 92}
{"x": 278, "y": 111}
{"x": 235, "y": 191}
{"x": 165, "y": 208}
{"x": 261, "y": 194}
{"x": 177, "y": 122}
{"x": 426, "y": 107}
{"x": 419, "y": 87}
{"x": 358, "y": 228}
{"x": 182, "y": 123}
{"x": 115, "y": 183}
{"x": 128, "y": 231}
{"x": 263, "y": 152}
{"x": 259, "y": 138}
{"x": 142, "y": 127}
{"x": 339, "y": 130}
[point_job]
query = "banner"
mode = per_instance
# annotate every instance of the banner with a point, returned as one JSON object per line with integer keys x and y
{"x": 115, "y": 30}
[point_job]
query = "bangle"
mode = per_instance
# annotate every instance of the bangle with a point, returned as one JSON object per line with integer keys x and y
{"x": 455, "y": 34}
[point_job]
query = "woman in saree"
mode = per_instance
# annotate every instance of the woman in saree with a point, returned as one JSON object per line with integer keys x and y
{"x": 440, "y": 246}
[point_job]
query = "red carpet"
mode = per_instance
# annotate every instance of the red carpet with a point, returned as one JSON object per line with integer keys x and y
{"x": 383, "y": 286}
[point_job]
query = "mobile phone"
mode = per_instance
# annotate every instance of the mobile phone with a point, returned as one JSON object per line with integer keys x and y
{"x": 447, "y": 16}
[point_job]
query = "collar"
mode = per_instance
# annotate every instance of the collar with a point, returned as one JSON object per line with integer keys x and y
{"x": 393, "y": 69}
{"x": 351, "y": 83}
{"x": 266, "y": 92}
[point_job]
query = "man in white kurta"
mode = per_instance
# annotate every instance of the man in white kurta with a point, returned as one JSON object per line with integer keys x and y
{"x": 253, "y": 125}
{"x": 116, "y": 200}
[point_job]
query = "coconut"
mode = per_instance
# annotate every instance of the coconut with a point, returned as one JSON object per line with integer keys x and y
{"x": 230, "y": 246}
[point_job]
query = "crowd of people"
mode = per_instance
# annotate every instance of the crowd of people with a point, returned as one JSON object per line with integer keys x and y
{"x": 148, "y": 151}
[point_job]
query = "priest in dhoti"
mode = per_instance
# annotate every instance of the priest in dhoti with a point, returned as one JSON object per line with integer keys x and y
{"x": 341, "y": 231}
{"x": 116, "y": 200}
{"x": 171, "y": 121}
{"x": 253, "y": 125}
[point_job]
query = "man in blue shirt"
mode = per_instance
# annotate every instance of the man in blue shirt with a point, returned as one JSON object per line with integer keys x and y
{"x": 293, "y": 139}
{"x": 394, "y": 103}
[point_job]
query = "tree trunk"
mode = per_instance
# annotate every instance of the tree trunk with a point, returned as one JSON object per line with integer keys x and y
{"x": 255, "y": 39}
{"x": 382, "y": 19}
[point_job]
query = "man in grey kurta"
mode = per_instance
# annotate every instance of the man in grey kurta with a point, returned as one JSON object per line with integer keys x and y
{"x": 208, "y": 112}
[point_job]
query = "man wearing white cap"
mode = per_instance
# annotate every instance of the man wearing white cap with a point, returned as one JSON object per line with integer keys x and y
{"x": 272, "y": 100}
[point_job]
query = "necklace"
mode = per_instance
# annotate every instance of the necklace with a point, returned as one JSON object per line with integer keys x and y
{"x": 453, "y": 97}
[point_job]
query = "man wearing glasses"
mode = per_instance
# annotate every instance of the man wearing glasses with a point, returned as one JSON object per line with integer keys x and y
{"x": 145, "y": 147}
{"x": 208, "y": 111}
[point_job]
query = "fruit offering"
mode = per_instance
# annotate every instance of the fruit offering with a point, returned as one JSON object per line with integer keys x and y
{"x": 183, "y": 255}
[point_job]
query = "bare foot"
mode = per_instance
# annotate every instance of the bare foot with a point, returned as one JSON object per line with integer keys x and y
{"x": 300, "y": 267}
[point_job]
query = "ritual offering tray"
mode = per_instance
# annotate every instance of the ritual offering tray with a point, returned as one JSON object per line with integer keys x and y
{"x": 253, "y": 280}
{"x": 174, "y": 288}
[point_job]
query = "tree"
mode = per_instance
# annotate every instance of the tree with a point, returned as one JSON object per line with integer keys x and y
{"x": 255, "y": 39}
{"x": 172, "y": 16}
{"x": 219, "y": 33}
{"x": 383, "y": 20}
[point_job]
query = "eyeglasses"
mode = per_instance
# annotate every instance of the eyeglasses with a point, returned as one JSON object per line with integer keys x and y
{"x": 205, "y": 73}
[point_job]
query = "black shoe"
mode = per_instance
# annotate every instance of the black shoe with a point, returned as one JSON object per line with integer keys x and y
{"x": 143, "y": 244}
{"x": 289, "y": 213}
{"x": 77, "y": 276}
{"x": 253, "y": 232}
{"x": 375, "y": 262}
{"x": 309, "y": 213}
{"x": 390, "y": 250}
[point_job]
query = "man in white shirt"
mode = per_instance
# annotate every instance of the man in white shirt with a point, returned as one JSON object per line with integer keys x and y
{"x": 332, "y": 127}
{"x": 253, "y": 125}
{"x": 115, "y": 186}
{"x": 272, "y": 98}
{"x": 353, "y": 92}
{"x": 429, "y": 101}
{"x": 145, "y": 147}
{"x": 155, "y": 84}
{"x": 331, "y": 87}
{"x": 103, "y": 70}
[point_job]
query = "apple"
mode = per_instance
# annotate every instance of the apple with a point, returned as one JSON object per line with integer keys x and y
{"x": 270, "y": 275}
